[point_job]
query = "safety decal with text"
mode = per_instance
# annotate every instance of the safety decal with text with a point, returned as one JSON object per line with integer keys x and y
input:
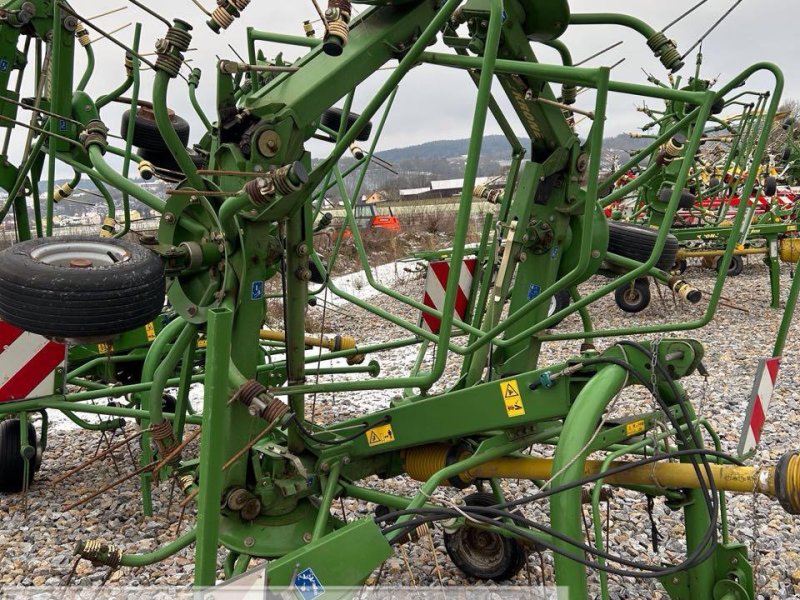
{"x": 383, "y": 434}
{"x": 634, "y": 427}
{"x": 512, "y": 398}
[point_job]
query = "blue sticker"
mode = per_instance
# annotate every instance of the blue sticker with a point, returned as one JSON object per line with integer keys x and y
{"x": 62, "y": 125}
{"x": 3, "y": 64}
{"x": 533, "y": 291}
{"x": 554, "y": 252}
{"x": 257, "y": 290}
{"x": 308, "y": 585}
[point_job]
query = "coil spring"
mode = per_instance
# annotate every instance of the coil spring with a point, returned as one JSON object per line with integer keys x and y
{"x": 222, "y": 17}
{"x": 423, "y": 462}
{"x": 239, "y": 5}
{"x": 169, "y": 64}
{"x": 180, "y": 39}
{"x": 82, "y": 35}
{"x": 339, "y": 29}
{"x": 95, "y": 133}
{"x": 161, "y": 431}
{"x": 275, "y": 411}
{"x": 259, "y": 190}
{"x": 308, "y": 27}
{"x": 99, "y": 553}
{"x": 282, "y": 181}
{"x": 185, "y": 482}
{"x": 343, "y": 5}
{"x": 128, "y": 64}
{"x": 249, "y": 391}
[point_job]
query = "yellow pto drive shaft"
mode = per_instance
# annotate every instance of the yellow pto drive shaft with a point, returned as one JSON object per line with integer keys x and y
{"x": 781, "y": 481}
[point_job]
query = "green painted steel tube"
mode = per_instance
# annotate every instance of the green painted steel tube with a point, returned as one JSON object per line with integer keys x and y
{"x": 409, "y": 61}
{"x": 628, "y": 21}
{"x": 166, "y": 368}
{"x": 641, "y": 179}
{"x": 87, "y": 74}
{"x": 56, "y": 100}
{"x": 256, "y": 35}
{"x": 568, "y": 464}
{"x": 194, "y": 81}
{"x": 563, "y": 51}
{"x": 101, "y": 426}
{"x": 556, "y": 73}
{"x": 586, "y": 318}
{"x": 324, "y": 513}
{"x": 216, "y": 417}
{"x": 788, "y": 317}
{"x": 156, "y": 352}
{"x": 114, "y": 178}
{"x": 175, "y": 546}
{"x": 54, "y": 403}
{"x": 99, "y": 362}
{"x": 129, "y": 155}
{"x": 168, "y": 133}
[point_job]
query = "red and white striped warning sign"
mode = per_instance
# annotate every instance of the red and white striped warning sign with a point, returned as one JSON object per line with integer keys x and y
{"x": 435, "y": 286}
{"x": 28, "y": 364}
{"x": 766, "y": 375}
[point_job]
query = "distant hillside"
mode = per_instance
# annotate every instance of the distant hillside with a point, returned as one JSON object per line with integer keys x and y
{"x": 495, "y": 147}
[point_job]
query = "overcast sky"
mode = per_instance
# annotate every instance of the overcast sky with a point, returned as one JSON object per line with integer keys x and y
{"x": 437, "y": 103}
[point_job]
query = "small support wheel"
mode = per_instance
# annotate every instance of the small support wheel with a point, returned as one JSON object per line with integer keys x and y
{"x": 484, "y": 554}
{"x": 635, "y": 297}
{"x": 770, "y": 186}
{"x": 736, "y": 267}
{"x": 12, "y": 464}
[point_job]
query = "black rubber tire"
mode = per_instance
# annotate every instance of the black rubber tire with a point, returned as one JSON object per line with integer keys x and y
{"x": 146, "y": 134}
{"x": 736, "y": 267}
{"x": 12, "y": 464}
{"x": 713, "y": 182}
{"x": 770, "y": 186}
{"x": 787, "y": 154}
{"x": 60, "y": 301}
{"x": 679, "y": 267}
{"x": 332, "y": 119}
{"x": 637, "y": 242}
{"x": 633, "y": 299}
{"x": 558, "y": 302}
{"x": 508, "y": 555}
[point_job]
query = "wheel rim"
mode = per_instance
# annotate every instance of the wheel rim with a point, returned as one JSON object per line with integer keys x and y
{"x": 553, "y": 306}
{"x": 82, "y": 254}
{"x": 482, "y": 549}
{"x": 632, "y": 296}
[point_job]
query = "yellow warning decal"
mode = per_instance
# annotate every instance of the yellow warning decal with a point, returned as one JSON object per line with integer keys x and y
{"x": 383, "y": 434}
{"x": 634, "y": 427}
{"x": 150, "y": 330}
{"x": 512, "y": 398}
{"x": 202, "y": 343}
{"x": 104, "y": 348}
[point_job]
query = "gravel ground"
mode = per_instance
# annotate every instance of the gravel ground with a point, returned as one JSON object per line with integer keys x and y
{"x": 37, "y": 535}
